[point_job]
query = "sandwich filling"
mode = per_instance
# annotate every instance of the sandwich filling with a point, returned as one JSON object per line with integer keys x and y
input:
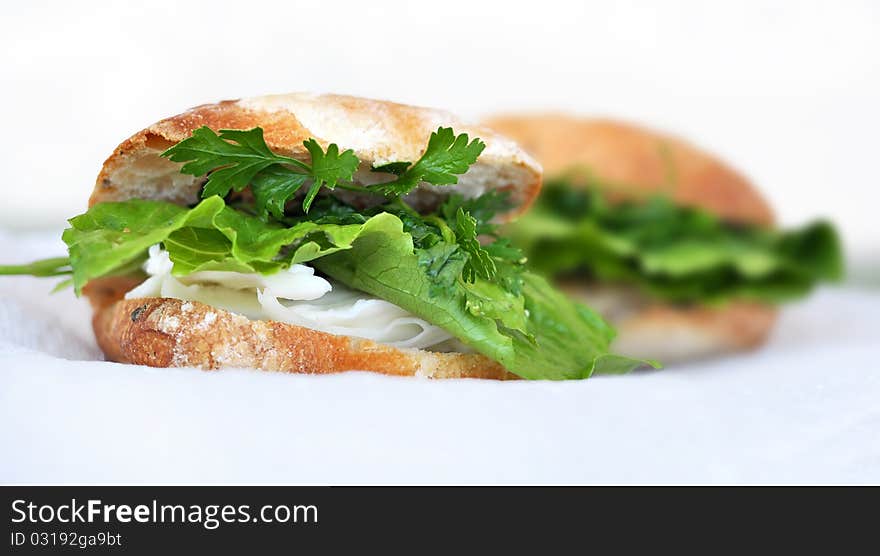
{"x": 297, "y": 296}
{"x": 669, "y": 252}
{"x": 272, "y": 238}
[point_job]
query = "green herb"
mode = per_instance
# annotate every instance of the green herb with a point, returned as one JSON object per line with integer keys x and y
{"x": 671, "y": 252}
{"x": 480, "y": 263}
{"x": 446, "y": 156}
{"x": 236, "y": 159}
{"x": 56, "y": 266}
{"x": 453, "y": 224}
{"x": 328, "y": 168}
{"x": 483, "y": 208}
{"x": 273, "y": 187}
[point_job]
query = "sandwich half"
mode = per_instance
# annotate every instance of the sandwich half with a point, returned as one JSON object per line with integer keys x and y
{"x": 674, "y": 247}
{"x": 322, "y": 233}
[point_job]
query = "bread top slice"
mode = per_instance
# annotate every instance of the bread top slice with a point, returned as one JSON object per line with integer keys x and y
{"x": 631, "y": 161}
{"x": 378, "y": 131}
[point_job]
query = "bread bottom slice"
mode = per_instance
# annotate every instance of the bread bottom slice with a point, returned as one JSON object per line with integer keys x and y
{"x": 164, "y": 332}
{"x": 649, "y": 329}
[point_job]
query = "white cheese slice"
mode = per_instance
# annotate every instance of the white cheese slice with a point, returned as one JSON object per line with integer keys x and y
{"x": 294, "y": 296}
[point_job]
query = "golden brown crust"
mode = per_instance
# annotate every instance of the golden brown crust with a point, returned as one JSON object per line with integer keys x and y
{"x": 636, "y": 161}
{"x": 651, "y": 329}
{"x": 162, "y": 332}
{"x": 673, "y": 334}
{"x": 378, "y": 132}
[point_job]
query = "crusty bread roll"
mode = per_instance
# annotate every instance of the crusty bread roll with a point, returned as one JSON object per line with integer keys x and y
{"x": 632, "y": 162}
{"x": 636, "y": 161}
{"x": 650, "y": 329}
{"x": 169, "y": 332}
{"x": 378, "y": 131}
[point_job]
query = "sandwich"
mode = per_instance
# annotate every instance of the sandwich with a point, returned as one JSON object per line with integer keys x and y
{"x": 675, "y": 248}
{"x": 317, "y": 234}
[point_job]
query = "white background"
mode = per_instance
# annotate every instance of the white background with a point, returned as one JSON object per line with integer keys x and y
{"x": 786, "y": 91}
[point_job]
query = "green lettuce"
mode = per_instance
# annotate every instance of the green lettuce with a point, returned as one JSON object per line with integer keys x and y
{"x": 415, "y": 262}
{"x": 211, "y": 236}
{"x": 552, "y": 338}
{"x": 671, "y": 252}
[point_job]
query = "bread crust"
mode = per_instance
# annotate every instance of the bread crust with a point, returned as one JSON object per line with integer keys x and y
{"x": 635, "y": 161}
{"x": 651, "y": 329}
{"x": 163, "y": 332}
{"x": 378, "y": 132}
{"x": 675, "y": 334}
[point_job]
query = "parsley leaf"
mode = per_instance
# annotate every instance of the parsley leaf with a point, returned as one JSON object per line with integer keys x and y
{"x": 483, "y": 208}
{"x": 504, "y": 249}
{"x": 231, "y": 159}
{"x": 273, "y": 187}
{"x": 446, "y": 156}
{"x": 235, "y": 159}
{"x": 396, "y": 168}
{"x": 480, "y": 263}
{"x": 328, "y": 168}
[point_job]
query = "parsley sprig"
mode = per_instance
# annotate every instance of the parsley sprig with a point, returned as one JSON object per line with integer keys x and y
{"x": 446, "y": 156}
{"x": 236, "y": 159}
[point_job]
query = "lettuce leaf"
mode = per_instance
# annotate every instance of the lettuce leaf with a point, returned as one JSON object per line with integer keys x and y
{"x": 211, "y": 236}
{"x": 557, "y": 339}
{"x": 674, "y": 253}
{"x": 516, "y": 318}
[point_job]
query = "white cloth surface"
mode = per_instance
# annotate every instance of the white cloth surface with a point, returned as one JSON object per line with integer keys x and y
{"x": 806, "y": 408}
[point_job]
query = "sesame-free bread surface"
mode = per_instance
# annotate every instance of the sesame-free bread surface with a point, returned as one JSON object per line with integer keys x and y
{"x": 632, "y": 161}
{"x": 377, "y": 131}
